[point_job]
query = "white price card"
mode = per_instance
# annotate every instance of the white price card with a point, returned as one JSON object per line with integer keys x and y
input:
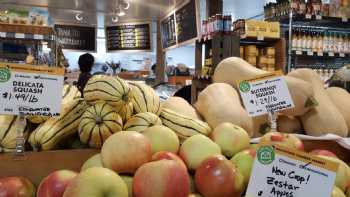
{"x": 19, "y": 35}
{"x": 280, "y": 171}
{"x": 30, "y": 90}
{"x": 344, "y": 19}
{"x": 318, "y": 17}
{"x": 331, "y": 54}
{"x": 320, "y": 53}
{"x": 298, "y": 52}
{"x": 310, "y": 53}
{"x": 38, "y": 37}
{"x": 265, "y": 94}
{"x": 341, "y": 54}
{"x": 261, "y": 38}
{"x": 308, "y": 16}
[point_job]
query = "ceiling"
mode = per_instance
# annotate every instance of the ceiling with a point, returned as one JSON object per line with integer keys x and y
{"x": 97, "y": 12}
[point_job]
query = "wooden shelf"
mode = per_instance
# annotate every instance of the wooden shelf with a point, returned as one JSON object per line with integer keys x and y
{"x": 26, "y": 29}
{"x": 37, "y": 165}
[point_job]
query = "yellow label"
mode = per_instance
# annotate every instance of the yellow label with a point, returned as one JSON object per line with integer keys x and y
{"x": 27, "y": 68}
{"x": 307, "y": 158}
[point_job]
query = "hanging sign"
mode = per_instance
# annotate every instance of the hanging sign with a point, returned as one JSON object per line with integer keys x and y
{"x": 282, "y": 172}
{"x": 265, "y": 94}
{"x": 30, "y": 90}
{"x": 73, "y": 37}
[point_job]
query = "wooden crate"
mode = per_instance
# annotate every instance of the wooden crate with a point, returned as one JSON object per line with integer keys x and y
{"x": 37, "y": 165}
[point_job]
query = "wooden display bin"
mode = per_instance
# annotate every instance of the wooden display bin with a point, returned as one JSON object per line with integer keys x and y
{"x": 179, "y": 80}
{"x": 37, "y": 165}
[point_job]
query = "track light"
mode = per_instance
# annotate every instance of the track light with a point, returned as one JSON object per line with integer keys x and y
{"x": 115, "y": 19}
{"x": 121, "y": 12}
{"x": 125, "y": 4}
{"x": 79, "y": 17}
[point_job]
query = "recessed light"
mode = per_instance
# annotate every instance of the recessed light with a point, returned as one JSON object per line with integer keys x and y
{"x": 79, "y": 17}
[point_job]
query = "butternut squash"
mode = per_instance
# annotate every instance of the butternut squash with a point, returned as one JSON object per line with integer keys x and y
{"x": 261, "y": 125}
{"x": 236, "y": 69}
{"x": 324, "y": 118}
{"x": 341, "y": 99}
{"x": 219, "y": 103}
{"x": 288, "y": 124}
{"x": 181, "y": 106}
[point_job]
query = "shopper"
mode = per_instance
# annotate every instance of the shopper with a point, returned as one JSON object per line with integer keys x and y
{"x": 86, "y": 62}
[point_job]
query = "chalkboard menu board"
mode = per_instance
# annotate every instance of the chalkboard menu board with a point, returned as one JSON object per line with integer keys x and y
{"x": 129, "y": 37}
{"x": 180, "y": 26}
{"x": 168, "y": 31}
{"x": 76, "y": 37}
{"x": 186, "y": 22}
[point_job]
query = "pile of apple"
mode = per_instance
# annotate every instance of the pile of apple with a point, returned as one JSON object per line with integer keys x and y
{"x": 154, "y": 164}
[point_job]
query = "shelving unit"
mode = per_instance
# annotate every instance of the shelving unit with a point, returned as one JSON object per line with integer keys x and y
{"x": 28, "y": 35}
{"x": 319, "y": 24}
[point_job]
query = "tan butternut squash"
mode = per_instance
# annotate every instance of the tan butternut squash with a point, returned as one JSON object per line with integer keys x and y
{"x": 181, "y": 106}
{"x": 234, "y": 69}
{"x": 261, "y": 125}
{"x": 341, "y": 99}
{"x": 288, "y": 124}
{"x": 219, "y": 103}
{"x": 324, "y": 118}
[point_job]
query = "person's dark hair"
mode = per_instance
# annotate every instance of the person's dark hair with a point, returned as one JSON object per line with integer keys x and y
{"x": 86, "y": 61}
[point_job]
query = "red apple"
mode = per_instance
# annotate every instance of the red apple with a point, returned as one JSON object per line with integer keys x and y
{"x": 168, "y": 156}
{"x": 216, "y": 176}
{"x": 319, "y": 152}
{"x": 283, "y": 139}
{"x": 16, "y": 187}
{"x": 55, "y": 184}
{"x": 164, "y": 178}
{"x": 126, "y": 151}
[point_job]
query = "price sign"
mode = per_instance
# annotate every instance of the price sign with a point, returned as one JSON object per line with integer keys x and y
{"x": 331, "y": 54}
{"x": 280, "y": 171}
{"x": 298, "y": 52}
{"x": 318, "y": 17}
{"x": 320, "y": 53}
{"x": 308, "y": 16}
{"x": 30, "y": 90}
{"x": 341, "y": 55}
{"x": 310, "y": 53}
{"x": 265, "y": 94}
{"x": 260, "y": 38}
{"x": 344, "y": 19}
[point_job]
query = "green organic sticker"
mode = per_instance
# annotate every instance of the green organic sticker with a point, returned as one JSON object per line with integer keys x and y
{"x": 5, "y": 75}
{"x": 244, "y": 86}
{"x": 266, "y": 155}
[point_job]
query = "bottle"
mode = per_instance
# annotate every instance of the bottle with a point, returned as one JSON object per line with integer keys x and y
{"x": 325, "y": 43}
{"x": 340, "y": 43}
{"x": 295, "y": 6}
{"x": 304, "y": 41}
{"x": 320, "y": 43}
{"x": 331, "y": 42}
{"x": 294, "y": 40}
{"x": 316, "y": 6}
{"x": 309, "y": 8}
{"x": 300, "y": 40}
{"x": 302, "y": 7}
{"x": 309, "y": 41}
{"x": 315, "y": 42}
{"x": 346, "y": 44}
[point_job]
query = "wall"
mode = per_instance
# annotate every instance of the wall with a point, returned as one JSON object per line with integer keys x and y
{"x": 242, "y": 9}
{"x": 185, "y": 55}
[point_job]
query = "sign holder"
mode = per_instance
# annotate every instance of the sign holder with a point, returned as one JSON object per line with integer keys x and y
{"x": 20, "y": 141}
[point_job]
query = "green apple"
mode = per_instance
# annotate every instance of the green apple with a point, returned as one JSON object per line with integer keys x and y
{"x": 128, "y": 181}
{"x": 162, "y": 139}
{"x": 196, "y": 149}
{"x": 244, "y": 162}
{"x": 343, "y": 174}
{"x": 97, "y": 182}
{"x": 337, "y": 192}
{"x": 231, "y": 138}
{"x": 94, "y": 161}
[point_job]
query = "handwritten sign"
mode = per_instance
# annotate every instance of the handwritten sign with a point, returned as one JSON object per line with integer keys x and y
{"x": 76, "y": 37}
{"x": 282, "y": 172}
{"x": 265, "y": 94}
{"x": 30, "y": 90}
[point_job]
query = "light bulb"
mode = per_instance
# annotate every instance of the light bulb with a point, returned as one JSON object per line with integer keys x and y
{"x": 79, "y": 17}
{"x": 115, "y": 19}
{"x": 121, "y": 13}
{"x": 126, "y": 5}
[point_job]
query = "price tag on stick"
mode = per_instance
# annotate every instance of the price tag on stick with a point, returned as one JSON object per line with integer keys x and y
{"x": 30, "y": 90}
{"x": 265, "y": 94}
{"x": 280, "y": 171}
